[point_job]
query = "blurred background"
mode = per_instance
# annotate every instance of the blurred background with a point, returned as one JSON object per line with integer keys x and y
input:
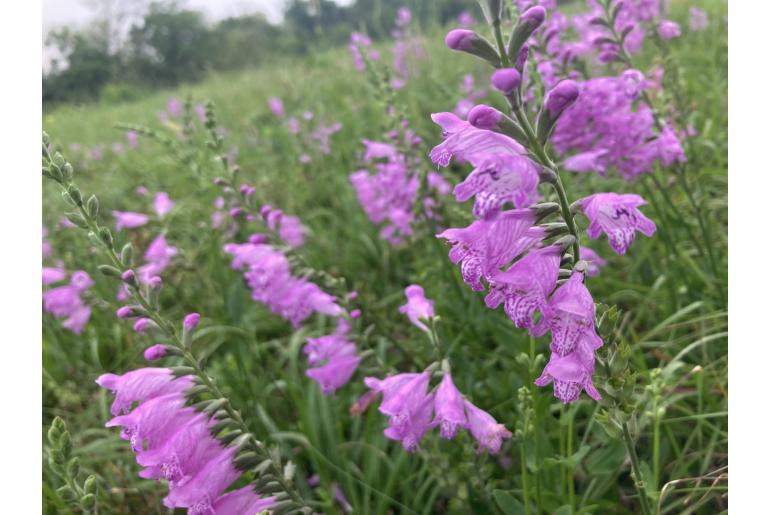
{"x": 117, "y": 50}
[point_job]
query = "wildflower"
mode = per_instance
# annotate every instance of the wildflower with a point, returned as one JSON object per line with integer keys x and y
{"x": 560, "y": 97}
{"x": 66, "y": 302}
{"x": 618, "y": 217}
{"x": 242, "y": 500}
{"x": 524, "y": 288}
{"x": 191, "y": 321}
{"x": 336, "y": 356}
{"x": 174, "y": 107}
{"x": 485, "y": 429}
{"x": 465, "y": 142}
{"x": 485, "y": 246}
{"x": 417, "y": 307}
{"x": 141, "y": 385}
{"x": 594, "y": 260}
{"x": 129, "y": 220}
{"x": 53, "y": 275}
{"x": 276, "y": 106}
{"x": 499, "y": 178}
{"x": 698, "y": 20}
{"x": 465, "y": 20}
{"x": 506, "y": 80}
{"x": 569, "y": 316}
{"x": 162, "y": 203}
{"x": 200, "y": 112}
{"x": 132, "y": 138}
{"x": 668, "y": 30}
{"x": 142, "y": 324}
{"x": 449, "y": 408}
{"x": 571, "y": 374}
{"x": 157, "y": 258}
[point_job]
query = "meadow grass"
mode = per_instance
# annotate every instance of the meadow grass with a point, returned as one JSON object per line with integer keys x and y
{"x": 670, "y": 290}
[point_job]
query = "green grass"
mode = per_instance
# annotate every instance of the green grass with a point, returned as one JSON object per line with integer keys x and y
{"x": 669, "y": 289}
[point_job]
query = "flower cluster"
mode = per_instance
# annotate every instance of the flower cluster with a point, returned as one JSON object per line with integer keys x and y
{"x": 389, "y": 196}
{"x": 360, "y": 43}
{"x": 404, "y": 48}
{"x": 334, "y": 358}
{"x": 268, "y": 274}
{"x": 506, "y": 251}
{"x": 313, "y": 135}
{"x": 174, "y": 442}
{"x": 412, "y": 410}
{"x": 66, "y": 301}
{"x": 608, "y": 128}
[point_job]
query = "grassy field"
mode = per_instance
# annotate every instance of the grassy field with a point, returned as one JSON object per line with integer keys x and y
{"x": 670, "y": 290}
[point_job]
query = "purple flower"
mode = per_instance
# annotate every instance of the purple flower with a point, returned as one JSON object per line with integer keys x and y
{"x": 569, "y": 316}
{"x": 66, "y": 302}
{"x": 162, "y": 203}
{"x": 403, "y": 16}
{"x": 465, "y": 142}
{"x": 484, "y": 117}
{"x": 53, "y": 275}
{"x": 336, "y": 357}
{"x": 200, "y": 112}
{"x": 618, "y": 217}
{"x": 449, "y": 408}
{"x": 594, "y": 260}
{"x": 141, "y": 385}
{"x": 668, "y": 30}
{"x": 417, "y": 307}
{"x": 242, "y": 500}
{"x": 699, "y": 20}
{"x": 571, "y": 374}
{"x": 142, "y": 324}
{"x": 129, "y": 220}
{"x": 590, "y": 161}
{"x": 210, "y": 478}
{"x": 485, "y": 246}
{"x": 498, "y": 179}
{"x": 276, "y": 106}
{"x": 524, "y": 288}
{"x": 132, "y": 138}
{"x": 465, "y": 20}
{"x": 485, "y": 429}
{"x": 174, "y": 107}
{"x": 533, "y": 17}
{"x": 157, "y": 258}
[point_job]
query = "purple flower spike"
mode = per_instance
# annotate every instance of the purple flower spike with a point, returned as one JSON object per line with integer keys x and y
{"x": 450, "y": 413}
{"x": 191, "y": 321}
{"x": 417, "y": 306}
{"x": 524, "y": 288}
{"x": 484, "y": 117}
{"x": 570, "y": 374}
{"x": 155, "y": 352}
{"x": 561, "y": 97}
{"x": 485, "y": 429}
{"x": 618, "y": 217}
{"x": 506, "y": 80}
{"x": 141, "y": 385}
{"x": 460, "y": 39}
{"x": 570, "y": 317}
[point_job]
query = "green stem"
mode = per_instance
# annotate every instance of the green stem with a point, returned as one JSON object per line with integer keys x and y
{"x": 638, "y": 481}
{"x": 524, "y": 480}
{"x": 500, "y": 44}
{"x": 570, "y": 468}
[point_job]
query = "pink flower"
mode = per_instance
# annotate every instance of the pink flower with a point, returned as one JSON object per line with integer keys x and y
{"x": 66, "y": 302}
{"x": 485, "y": 429}
{"x": 417, "y": 307}
{"x": 618, "y": 217}
{"x": 668, "y": 30}
{"x": 594, "y": 260}
{"x": 449, "y": 407}
{"x": 129, "y": 220}
{"x": 276, "y": 106}
{"x": 132, "y": 138}
{"x": 162, "y": 203}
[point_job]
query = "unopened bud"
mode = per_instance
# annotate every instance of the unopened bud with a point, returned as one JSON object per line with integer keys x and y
{"x": 563, "y": 95}
{"x": 124, "y": 312}
{"x": 488, "y": 118}
{"x": 191, "y": 321}
{"x": 142, "y": 325}
{"x": 527, "y": 23}
{"x": 506, "y": 80}
{"x": 128, "y": 276}
{"x": 155, "y": 352}
{"x": 463, "y": 40}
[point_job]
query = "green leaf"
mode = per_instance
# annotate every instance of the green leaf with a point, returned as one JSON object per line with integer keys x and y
{"x": 508, "y": 503}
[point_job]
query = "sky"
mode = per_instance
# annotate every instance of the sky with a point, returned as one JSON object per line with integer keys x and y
{"x": 77, "y": 12}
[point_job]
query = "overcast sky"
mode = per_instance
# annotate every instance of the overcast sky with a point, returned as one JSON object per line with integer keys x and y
{"x": 77, "y": 12}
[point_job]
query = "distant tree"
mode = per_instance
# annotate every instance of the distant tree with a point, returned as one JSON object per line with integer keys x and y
{"x": 84, "y": 66}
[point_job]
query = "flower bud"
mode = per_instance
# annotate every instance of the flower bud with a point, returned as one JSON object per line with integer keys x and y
{"x": 191, "y": 321}
{"x": 236, "y": 212}
{"x": 563, "y": 95}
{"x": 464, "y": 40}
{"x": 488, "y": 118}
{"x": 142, "y": 325}
{"x": 155, "y": 281}
{"x": 124, "y": 312}
{"x": 128, "y": 276}
{"x": 155, "y": 352}
{"x": 484, "y": 117}
{"x": 506, "y": 80}
{"x": 356, "y": 313}
{"x": 256, "y": 239}
{"x": 527, "y": 23}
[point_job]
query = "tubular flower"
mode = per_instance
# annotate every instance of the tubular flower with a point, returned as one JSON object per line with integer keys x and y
{"x": 571, "y": 374}
{"x": 449, "y": 408}
{"x": 417, "y": 307}
{"x": 485, "y": 429}
{"x": 618, "y": 217}
{"x": 66, "y": 301}
{"x": 465, "y": 142}
{"x": 335, "y": 356}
